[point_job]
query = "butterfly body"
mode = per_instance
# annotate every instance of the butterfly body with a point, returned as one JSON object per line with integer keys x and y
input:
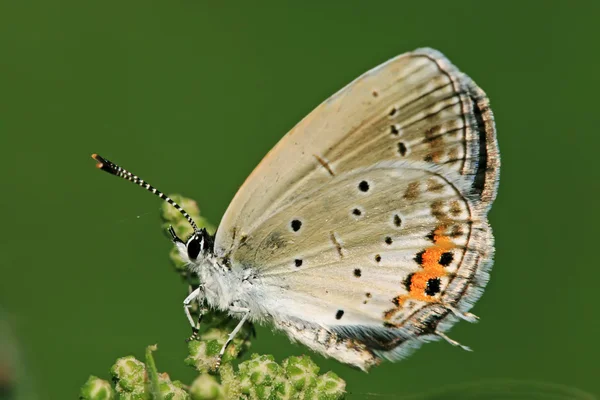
{"x": 243, "y": 290}
{"x": 364, "y": 232}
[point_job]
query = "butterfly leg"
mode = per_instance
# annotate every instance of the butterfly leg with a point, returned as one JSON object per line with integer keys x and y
{"x": 452, "y": 342}
{"x": 467, "y": 316}
{"x": 187, "y": 305}
{"x": 231, "y": 336}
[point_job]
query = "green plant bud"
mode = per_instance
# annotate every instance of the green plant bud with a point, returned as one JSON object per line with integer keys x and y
{"x": 206, "y": 387}
{"x": 282, "y": 389}
{"x": 301, "y": 372}
{"x": 129, "y": 375}
{"x": 96, "y": 389}
{"x": 330, "y": 387}
{"x": 230, "y": 383}
{"x": 202, "y": 354}
{"x": 262, "y": 369}
{"x": 171, "y": 390}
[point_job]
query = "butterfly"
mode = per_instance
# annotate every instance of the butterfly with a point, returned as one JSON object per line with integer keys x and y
{"x": 363, "y": 233}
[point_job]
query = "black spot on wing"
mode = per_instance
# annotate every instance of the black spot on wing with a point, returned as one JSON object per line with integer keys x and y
{"x": 402, "y": 149}
{"x": 408, "y": 281}
{"x": 446, "y": 259}
{"x": 296, "y": 225}
{"x": 433, "y": 287}
{"x": 419, "y": 257}
{"x": 431, "y": 235}
{"x": 363, "y": 186}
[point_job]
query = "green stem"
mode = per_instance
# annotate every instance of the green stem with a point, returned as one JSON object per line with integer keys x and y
{"x": 152, "y": 373}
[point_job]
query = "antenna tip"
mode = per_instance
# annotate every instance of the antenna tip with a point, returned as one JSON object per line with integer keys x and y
{"x": 103, "y": 163}
{"x": 99, "y": 159}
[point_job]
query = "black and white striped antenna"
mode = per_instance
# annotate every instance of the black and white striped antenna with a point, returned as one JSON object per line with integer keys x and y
{"x": 114, "y": 169}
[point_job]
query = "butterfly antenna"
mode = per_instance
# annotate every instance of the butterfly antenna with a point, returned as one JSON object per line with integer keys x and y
{"x": 114, "y": 169}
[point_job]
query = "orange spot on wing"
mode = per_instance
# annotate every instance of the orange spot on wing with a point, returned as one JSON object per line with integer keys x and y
{"x": 432, "y": 269}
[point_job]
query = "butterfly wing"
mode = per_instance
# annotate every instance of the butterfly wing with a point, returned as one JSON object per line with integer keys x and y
{"x": 417, "y": 106}
{"x": 368, "y": 219}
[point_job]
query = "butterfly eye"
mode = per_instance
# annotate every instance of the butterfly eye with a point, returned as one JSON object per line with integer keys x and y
{"x": 194, "y": 245}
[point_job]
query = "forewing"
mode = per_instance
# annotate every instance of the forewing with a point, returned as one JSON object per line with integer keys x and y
{"x": 415, "y": 107}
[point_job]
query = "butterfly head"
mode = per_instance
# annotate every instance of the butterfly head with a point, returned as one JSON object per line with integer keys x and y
{"x": 196, "y": 248}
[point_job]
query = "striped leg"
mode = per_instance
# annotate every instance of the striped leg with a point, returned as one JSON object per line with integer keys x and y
{"x": 187, "y": 304}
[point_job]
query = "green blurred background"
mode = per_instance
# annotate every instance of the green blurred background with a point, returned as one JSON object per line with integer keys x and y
{"x": 191, "y": 95}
